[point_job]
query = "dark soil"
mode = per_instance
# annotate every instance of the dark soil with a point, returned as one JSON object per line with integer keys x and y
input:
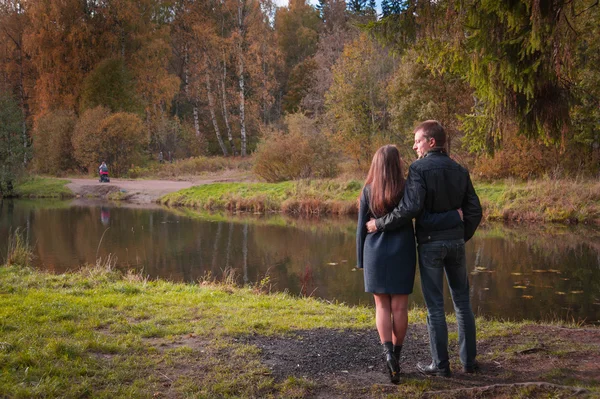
{"x": 536, "y": 362}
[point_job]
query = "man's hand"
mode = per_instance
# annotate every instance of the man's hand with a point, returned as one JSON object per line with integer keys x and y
{"x": 460, "y": 213}
{"x": 371, "y": 226}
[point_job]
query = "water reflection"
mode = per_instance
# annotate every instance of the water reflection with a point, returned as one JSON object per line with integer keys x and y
{"x": 535, "y": 273}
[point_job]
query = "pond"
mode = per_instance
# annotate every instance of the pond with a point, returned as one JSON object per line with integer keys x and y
{"x": 545, "y": 272}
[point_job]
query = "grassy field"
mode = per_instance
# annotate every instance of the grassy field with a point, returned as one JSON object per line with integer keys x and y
{"x": 105, "y": 334}
{"x": 42, "y": 187}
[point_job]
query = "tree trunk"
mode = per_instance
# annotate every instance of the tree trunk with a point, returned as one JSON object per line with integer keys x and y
{"x": 196, "y": 119}
{"x": 241, "y": 27}
{"x": 224, "y": 105}
{"x": 211, "y": 106}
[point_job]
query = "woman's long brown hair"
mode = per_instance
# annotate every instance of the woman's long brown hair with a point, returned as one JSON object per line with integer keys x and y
{"x": 386, "y": 179}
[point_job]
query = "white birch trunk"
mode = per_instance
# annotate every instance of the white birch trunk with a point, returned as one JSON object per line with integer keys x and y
{"x": 211, "y": 107}
{"x": 224, "y": 105}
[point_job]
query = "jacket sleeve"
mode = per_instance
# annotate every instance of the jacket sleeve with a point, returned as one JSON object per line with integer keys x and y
{"x": 439, "y": 221}
{"x": 361, "y": 228}
{"x": 409, "y": 207}
{"x": 472, "y": 212}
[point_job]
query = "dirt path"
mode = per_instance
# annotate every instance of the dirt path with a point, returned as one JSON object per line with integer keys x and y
{"x": 136, "y": 191}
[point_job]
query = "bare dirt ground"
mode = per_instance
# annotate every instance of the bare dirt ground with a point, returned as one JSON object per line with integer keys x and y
{"x": 535, "y": 362}
{"x": 136, "y": 191}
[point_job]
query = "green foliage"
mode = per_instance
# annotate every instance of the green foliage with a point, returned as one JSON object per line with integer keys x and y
{"x": 301, "y": 152}
{"x": 52, "y": 142}
{"x": 356, "y": 102}
{"x": 110, "y": 85}
{"x": 11, "y": 143}
{"x": 416, "y": 94}
{"x": 297, "y": 30}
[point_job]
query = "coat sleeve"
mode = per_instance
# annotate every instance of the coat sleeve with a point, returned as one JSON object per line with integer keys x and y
{"x": 472, "y": 212}
{"x": 410, "y": 205}
{"x": 361, "y": 228}
{"x": 440, "y": 221}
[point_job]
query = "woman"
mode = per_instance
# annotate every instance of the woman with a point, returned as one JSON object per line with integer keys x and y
{"x": 389, "y": 258}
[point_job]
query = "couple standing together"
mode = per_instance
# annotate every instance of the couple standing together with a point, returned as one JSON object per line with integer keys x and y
{"x": 439, "y": 194}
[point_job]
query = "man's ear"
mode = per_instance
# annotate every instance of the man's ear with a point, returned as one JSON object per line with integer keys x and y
{"x": 432, "y": 142}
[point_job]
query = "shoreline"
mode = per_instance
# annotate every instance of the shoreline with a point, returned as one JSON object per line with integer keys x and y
{"x": 540, "y": 201}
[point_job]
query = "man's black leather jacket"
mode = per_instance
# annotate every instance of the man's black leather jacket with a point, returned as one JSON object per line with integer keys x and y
{"x": 436, "y": 183}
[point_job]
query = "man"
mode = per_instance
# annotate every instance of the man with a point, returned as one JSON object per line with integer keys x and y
{"x": 436, "y": 183}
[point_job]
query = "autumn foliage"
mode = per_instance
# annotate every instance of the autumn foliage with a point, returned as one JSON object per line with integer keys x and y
{"x": 299, "y": 151}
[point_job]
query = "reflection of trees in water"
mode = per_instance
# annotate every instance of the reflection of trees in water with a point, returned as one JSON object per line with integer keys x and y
{"x": 545, "y": 263}
{"x": 296, "y": 254}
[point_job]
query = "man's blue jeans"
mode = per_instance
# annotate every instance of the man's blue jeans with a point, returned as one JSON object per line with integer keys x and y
{"x": 435, "y": 258}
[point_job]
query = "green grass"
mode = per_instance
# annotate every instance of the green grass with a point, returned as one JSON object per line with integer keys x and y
{"x": 101, "y": 333}
{"x": 42, "y": 187}
{"x": 298, "y": 197}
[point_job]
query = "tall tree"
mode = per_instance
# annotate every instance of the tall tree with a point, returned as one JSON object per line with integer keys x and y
{"x": 11, "y": 148}
{"x": 15, "y": 63}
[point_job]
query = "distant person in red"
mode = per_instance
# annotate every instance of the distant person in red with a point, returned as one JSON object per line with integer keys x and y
{"x": 103, "y": 171}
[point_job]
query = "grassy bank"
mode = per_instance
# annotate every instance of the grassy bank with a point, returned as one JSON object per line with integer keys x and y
{"x": 100, "y": 333}
{"x": 315, "y": 197}
{"x": 42, "y": 187}
{"x": 563, "y": 201}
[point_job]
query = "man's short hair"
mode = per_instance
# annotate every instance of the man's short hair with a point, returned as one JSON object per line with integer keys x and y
{"x": 433, "y": 129}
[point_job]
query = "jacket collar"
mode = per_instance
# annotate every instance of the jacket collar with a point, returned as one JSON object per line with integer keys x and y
{"x": 436, "y": 151}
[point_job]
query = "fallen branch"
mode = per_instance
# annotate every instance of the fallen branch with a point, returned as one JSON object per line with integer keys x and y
{"x": 576, "y": 390}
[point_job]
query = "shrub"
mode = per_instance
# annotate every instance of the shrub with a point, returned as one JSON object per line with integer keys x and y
{"x": 119, "y": 139}
{"x": 52, "y": 142}
{"x": 300, "y": 152}
{"x": 87, "y": 138}
{"x": 123, "y": 140}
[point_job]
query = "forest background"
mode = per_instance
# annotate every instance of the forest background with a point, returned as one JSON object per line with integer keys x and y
{"x": 311, "y": 91}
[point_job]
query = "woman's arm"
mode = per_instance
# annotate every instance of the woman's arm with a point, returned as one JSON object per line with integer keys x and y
{"x": 361, "y": 228}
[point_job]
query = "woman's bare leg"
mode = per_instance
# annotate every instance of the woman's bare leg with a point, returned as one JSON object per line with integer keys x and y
{"x": 399, "y": 305}
{"x": 383, "y": 316}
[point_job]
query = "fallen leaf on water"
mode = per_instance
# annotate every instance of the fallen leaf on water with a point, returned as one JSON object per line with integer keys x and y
{"x": 559, "y": 293}
{"x": 540, "y": 271}
{"x": 480, "y": 268}
{"x": 565, "y": 278}
{"x": 344, "y": 260}
{"x": 527, "y": 296}
{"x": 516, "y": 274}
{"x": 576, "y": 292}
{"x": 486, "y": 289}
{"x": 555, "y": 271}
{"x": 332, "y": 263}
{"x": 521, "y": 287}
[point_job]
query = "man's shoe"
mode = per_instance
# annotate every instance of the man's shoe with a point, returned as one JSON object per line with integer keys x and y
{"x": 471, "y": 369}
{"x": 431, "y": 369}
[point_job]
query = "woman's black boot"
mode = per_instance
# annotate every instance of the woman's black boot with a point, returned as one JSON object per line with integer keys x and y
{"x": 397, "y": 351}
{"x": 391, "y": 362}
